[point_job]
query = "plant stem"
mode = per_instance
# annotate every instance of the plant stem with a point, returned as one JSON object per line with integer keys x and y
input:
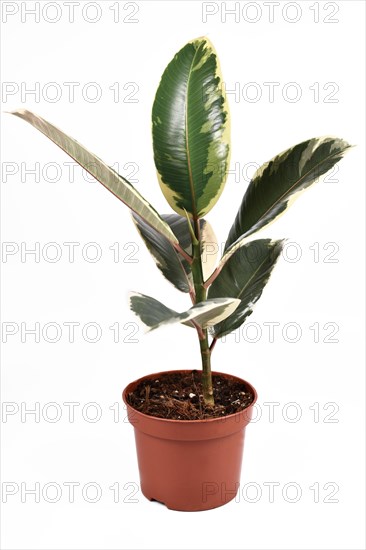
{"x": 201, "y": 293}
{"x": 206, "y": 370}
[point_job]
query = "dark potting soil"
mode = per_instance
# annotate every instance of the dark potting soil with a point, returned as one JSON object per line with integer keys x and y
{"x": 179, "y": 396}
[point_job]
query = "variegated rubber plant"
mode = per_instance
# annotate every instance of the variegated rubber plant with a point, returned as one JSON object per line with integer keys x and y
{"x": 191, "y": 142}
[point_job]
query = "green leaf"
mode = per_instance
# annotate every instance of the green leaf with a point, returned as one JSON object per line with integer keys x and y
{"x": 278, "y": 182}
{"x": 244, "y": 277}
{"x": 173, "y": 266}
{"x": 191, "y": 130}
{"x": 155, "y": 314}
{"x": 108, "y": 177}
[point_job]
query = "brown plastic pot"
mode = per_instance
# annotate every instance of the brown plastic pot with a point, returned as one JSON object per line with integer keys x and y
{"x": 189, "y": 465}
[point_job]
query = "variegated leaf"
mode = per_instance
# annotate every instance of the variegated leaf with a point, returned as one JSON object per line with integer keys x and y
{"x": 244, "y": 277}
{"x": 173, "y": 266}
{"x": 278, "y": 182}
{"x": 108, "y": 177}
{"x": 213, "y": 310}
{"x": 191, "y": 130}
{"x": 154, "y": 314}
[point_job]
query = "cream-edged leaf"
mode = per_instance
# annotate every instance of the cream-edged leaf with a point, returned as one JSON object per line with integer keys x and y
{"x": 154, "y": 314}
{"x": 173, "y": 266}
{"x": 278, "y": 182}
{"x": 244, "y": 277}
{"x": 108, "y": 177}
{"x": 191, "y": 130}
{"x": 214, "y": 310}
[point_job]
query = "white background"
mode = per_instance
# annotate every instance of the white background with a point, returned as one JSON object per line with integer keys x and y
{"x": 324, "y": 379}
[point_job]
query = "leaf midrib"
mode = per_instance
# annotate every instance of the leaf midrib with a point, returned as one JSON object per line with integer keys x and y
{"x": 190, "y": 176}
{"x": 250, "y": 279}
{"x": 243, "y": 289}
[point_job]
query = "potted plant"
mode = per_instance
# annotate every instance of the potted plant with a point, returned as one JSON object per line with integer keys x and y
{"x": 189, "y": 424}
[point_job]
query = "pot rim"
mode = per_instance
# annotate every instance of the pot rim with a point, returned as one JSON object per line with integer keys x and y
{"x": 190, "y": 422}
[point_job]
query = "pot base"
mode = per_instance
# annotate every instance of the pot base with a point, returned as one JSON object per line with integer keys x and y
{"x": 177, "y": 507}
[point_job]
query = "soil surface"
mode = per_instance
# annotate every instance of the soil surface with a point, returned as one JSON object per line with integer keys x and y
{"x": 178, "y": 396}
